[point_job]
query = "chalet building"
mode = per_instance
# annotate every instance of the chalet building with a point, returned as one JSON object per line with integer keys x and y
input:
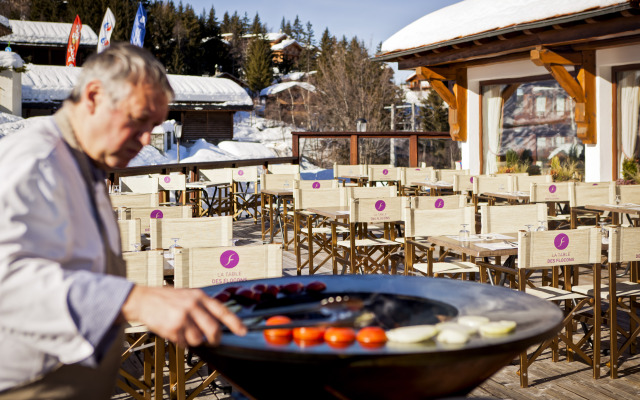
{"x": 46, "y": 42}
{"x": 562, "y": 74}
{"x": 204, "y": 105}
{"x": 282, "y": 46}
{"x": 288, "y": 101}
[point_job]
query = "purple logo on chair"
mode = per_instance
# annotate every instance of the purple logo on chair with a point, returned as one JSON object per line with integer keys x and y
{"x": 156, "y": 214}
{"x": 380, "y": 205}
{"x": 418, "y": 169}
{"x": 229, "y": 259}
{"x": 552, "y": 189}
{"x": 439, "y": 203}
{"x": 167, "y": 179}
{"x": 561, "y": 241}
{"x": 385, "y": 172}
{"x": 471, "y": 179}
{"x": 595, "y": 184}
{"x": 316, "y": 185}
{"x": 241, "y": 172}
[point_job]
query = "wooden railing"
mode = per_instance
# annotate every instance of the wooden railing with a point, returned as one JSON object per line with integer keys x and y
{"x": 354, "y": 138}
{"x": 115, "y": 174}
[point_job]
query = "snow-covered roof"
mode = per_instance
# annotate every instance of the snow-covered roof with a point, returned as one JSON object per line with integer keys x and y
{"x": 284, "y": 44}
{"x": 279, "y": 87}
{"x": 273, "y": 36}
{"x": 51, "y": 83}
{"x": 222, "y": 91}
{"x": 47, "y": 33}
{"x": 9, "y": 59}
{"x": 472, "y": 17}
{"x": 4, "y": 21}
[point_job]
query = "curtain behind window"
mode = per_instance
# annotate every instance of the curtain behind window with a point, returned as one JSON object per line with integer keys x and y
{"x": 628, "y": 108}
{"x": 491, "y": 126}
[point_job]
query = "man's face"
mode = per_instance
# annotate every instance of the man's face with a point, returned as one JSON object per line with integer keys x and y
{"x": 125, "y": 129}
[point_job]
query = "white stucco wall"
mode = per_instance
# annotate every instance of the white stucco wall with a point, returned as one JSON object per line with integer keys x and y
{"x": 598, "y": 163}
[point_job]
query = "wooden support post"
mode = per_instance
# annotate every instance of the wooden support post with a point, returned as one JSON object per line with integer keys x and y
{"x": 353, "y": 153}
{"x": 413, "y": 150}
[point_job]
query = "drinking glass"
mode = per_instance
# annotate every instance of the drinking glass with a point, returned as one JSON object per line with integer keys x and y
{"x": 122, "y": 213}
{"x": 201, "y": 179}
{"x": 136, "y": 247}
{"x": 603, "y": 228}
{"x": 618, "y": 199}
{"x": 115, "y": 189}
{"x": 286, "y": 185}
{"x": 464, "y": 233}
{"x": 529, "y": 226}
{"x": 541, "y": 226}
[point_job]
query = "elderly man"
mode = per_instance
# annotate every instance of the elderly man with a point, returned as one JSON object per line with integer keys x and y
{"x": 63, "y": 297}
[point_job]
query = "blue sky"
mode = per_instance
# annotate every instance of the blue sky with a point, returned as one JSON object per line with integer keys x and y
{"x": 373, "y": 21}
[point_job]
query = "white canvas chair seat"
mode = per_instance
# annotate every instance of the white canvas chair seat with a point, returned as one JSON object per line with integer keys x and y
{"x": 554, "y": 294}
{"x": 623, "y": 289}
{"x": 369, "y": 243}
{"x": 451, "y": 267}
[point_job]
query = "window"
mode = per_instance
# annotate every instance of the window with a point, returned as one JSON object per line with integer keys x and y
{"x": 628, "y": 111}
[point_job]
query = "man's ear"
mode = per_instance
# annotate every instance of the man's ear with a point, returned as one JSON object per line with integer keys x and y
{"x": 92, "y": 95}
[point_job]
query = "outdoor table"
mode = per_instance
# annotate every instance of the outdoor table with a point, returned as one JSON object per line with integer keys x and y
{"x": 361, "y": 180}
{"x": 616, "y": 210}
{"x": 334, "y": 213}
{"x": 479, "y": 246}
{"x": 267, "y": 199}
{"x": 519, "y": 197}
{"x": 435, "y": 188}
{"x": 202, "y": 195}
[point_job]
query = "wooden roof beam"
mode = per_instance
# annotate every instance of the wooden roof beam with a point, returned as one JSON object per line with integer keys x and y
{"x": 456, "y": 99}
{"x": 541, "y": 56}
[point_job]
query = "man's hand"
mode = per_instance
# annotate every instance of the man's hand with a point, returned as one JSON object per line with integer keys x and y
{"x": 187, "y": 317}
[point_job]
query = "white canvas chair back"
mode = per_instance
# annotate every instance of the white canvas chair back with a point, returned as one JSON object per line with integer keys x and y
{"x": 581, "y": 195}
{"x": 311, "y": 198}
{"x": 627, "y": 193}
{"x": 219, "y": 175}
{"x": 146, "y": 214}
{"x": 624, "y": 244}
{"x": 171, "y": 182}
{"x": 543, "y": 192}
{"x": 522, "y": 183}
{"x": 199, "y": 267}
{"x": 413, "y": 174}
{"x": 593, "y": 183}
{"x": 145, "y": 267}
{"x": 129, "y": 233}
{"x": 485, "y": 184}
{"x": 134, "y": 200}
{"x": 446, "y": 175}
{"x": 554, "y": 248}
{"x": 340, "y": 170}
{"x": 316, "y": 184}
{"x": 191, "y": 232}
{"x": 383, "y": 173}
{"x": 368, "y": 192}
{"x": 139, "y": 184}
{"x": 462, "y": 183}
{"x": 377, "y": 210}
{"x": 509, "y": 219}
{"x": 420, "y": 223}
{"x": 284, "y": 168}
{"x": 245, "y": 174}
{"x": 278, "y": 181}
{"x": 438, "y": 202}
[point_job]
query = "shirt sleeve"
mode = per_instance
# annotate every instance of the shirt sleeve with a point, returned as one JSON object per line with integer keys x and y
{"x": 53, "y": 297}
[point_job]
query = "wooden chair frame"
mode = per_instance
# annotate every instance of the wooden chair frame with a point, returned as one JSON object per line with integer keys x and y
{"x": 244, "y": 200}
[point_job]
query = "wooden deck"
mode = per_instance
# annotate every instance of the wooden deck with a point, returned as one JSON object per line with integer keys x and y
{"x": 547, "y": 380}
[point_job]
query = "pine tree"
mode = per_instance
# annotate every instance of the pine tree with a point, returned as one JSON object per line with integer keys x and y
{"x": 298, "y": 29}
{"x": 306, "y": 62}
{"x": 434, "y": 115}
{"x": 259, "y": 71}
{"x": 256, "y": 26}
{"x": 225, "y": 26}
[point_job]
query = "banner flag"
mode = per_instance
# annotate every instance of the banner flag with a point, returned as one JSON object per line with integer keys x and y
{"x": 108, "y": 23}
{"x": 74, "y": 42}
{"x": 137, "y": 34}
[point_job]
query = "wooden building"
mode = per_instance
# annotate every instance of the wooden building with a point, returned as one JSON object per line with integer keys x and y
{"x": 288, "y": 101}
{"x": 46, "y": 42}
{"x": 204, "y": 105}
{"x": 538, "y": 74}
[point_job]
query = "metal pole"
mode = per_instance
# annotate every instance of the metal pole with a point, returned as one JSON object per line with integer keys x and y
{"x": 178, "y": 150}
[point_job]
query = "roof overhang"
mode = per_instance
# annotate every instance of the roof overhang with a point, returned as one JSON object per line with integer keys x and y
{"x": 207, "y": 107}
{"x": 588, "y": 29}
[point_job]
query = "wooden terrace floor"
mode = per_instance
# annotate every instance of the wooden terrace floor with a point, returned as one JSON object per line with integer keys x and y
{"x": 547, "y": 380}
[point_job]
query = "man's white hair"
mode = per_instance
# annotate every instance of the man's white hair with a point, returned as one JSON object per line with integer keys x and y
{"x": 119, "y": 68}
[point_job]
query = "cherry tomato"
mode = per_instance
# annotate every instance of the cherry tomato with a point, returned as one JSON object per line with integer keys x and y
{"x": 339, "y": 345}
{"x": 372, "y": 336}
{"x": 292, "y": 288}
{"x": 308, "y": 333}
{"x": 259, "y": 287}
{"x": 272, "y": 289}
{"x": 339, "y": 335}
{"x": 246, "y": 296}
{"x": 277, "y": 340}
{"x": 232, "y": 289}
{"x": 315, "y": 287}
{"x": 278, "y": 320}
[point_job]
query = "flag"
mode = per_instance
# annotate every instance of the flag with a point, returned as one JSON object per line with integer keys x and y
{"x": 108, "y": 23}
{"x": 137, "y": 34}
{"x": 74, "y": 42}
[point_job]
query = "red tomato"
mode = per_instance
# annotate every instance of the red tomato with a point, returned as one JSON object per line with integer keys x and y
{"x": 259, "y": 287}
{"x": 292, "y": 288}
{"x": 222, "y": 297}
{"x": 278, "y": 320}
{"x": 307, "y": 343}
{"x": 371, "y": 335}
{"x": 315, "y": 287}
{"x": 339, "y": 335}
{"x": 278, "y": 340}
{"x": 339, "y": 345}
{"x": 308, "y": 333}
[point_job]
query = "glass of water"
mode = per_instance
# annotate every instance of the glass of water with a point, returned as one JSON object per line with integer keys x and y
{"x": 541, "y": 226}
{"x": 136, "y": 247}
{"x": 115, "y": 189}
{"x": 529, "y": 226}
{"x": 618, "y": 200}
{"x": 464, "y": 233}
